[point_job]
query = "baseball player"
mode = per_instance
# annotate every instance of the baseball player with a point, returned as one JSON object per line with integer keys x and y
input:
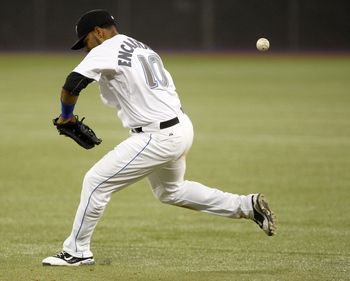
{"x": 132, "y": 79}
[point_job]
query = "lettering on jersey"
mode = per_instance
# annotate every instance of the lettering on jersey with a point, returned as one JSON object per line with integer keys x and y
{"x": 127, "y": 49}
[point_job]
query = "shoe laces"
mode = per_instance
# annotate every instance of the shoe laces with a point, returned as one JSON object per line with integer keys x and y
{"x": 60, "y": 255}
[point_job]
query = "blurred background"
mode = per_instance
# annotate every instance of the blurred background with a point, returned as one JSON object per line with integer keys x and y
{"x": 183, "y": 24}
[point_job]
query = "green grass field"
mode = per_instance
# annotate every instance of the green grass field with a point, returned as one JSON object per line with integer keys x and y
{"x": 274, "y": 124}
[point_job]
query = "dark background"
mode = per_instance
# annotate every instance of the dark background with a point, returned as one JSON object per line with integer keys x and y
{"x": 183, "y": 24}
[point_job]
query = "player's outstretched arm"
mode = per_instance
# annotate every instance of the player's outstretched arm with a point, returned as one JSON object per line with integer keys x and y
{"x": 70, "y": 100}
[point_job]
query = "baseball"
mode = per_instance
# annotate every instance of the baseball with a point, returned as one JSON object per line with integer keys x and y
{"x": 263, "y": 44}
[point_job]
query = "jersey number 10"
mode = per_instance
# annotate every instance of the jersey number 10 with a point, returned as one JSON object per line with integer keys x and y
{"x": 154, "y": 71}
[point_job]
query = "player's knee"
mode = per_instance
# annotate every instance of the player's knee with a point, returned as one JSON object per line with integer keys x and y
{"x": 90, "y": 179}
{"x": 88, "y": 176}
{"x": 168, "y": 193}
{"x": 165, "y": 197}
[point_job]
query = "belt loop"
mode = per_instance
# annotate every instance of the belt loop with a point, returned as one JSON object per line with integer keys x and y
{"x": 137, "y": 130}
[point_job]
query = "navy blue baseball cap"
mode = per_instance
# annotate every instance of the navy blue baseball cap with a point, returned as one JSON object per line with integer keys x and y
{"x": 88, "y": 22}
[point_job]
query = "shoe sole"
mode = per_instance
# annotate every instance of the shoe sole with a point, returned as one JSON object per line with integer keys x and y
{"x": 61, "y": 262}
{"x": 264, "y": 210}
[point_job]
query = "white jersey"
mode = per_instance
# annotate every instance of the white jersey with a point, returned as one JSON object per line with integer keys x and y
{"x": 132, "y": 78}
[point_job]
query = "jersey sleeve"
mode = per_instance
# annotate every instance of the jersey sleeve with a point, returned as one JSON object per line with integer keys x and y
{"x": 75, "y": 82}
{"x": 97, "y": 62}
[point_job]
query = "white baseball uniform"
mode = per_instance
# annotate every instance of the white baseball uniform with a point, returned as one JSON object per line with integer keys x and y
{"x": 133, "y": 80}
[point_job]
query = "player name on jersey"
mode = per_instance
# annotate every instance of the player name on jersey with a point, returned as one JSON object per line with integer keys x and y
{"x": 127, "y": 50}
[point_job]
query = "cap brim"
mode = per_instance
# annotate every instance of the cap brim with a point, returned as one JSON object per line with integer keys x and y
{"x": 79, "y": 43}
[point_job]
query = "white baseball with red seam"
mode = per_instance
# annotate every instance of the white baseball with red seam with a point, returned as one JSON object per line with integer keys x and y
{"x": 263, "y": 44}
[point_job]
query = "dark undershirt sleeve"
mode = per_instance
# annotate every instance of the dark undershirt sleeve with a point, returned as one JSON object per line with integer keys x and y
{"x": 75, "y": 82}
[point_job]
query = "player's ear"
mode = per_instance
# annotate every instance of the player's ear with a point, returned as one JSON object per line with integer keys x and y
{"x": 99, "y": 32}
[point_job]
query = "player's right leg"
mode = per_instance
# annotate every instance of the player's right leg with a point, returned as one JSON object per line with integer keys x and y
{"x": 263, "y": 216}
{"x": 169, "y": 187}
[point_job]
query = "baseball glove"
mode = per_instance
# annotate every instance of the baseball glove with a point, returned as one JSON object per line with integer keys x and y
{"x": 79, "y": 132}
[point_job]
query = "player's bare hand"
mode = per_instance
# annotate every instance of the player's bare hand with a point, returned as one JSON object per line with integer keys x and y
{"x": 61, "y": 120}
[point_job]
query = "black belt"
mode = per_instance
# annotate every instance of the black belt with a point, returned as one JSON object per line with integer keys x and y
{"x": 162, "y": 125}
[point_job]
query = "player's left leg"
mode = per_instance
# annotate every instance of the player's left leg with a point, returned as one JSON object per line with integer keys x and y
{"x": 130, "y": 161}
{"x": 115, "y": 171}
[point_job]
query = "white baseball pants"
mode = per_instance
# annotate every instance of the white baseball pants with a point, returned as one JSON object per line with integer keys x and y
{"x": 160, "y": 156}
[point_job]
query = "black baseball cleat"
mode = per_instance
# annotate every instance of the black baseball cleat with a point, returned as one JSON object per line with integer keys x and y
{"x": 65, "y": 259}
{"x": 263, "y": 216}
